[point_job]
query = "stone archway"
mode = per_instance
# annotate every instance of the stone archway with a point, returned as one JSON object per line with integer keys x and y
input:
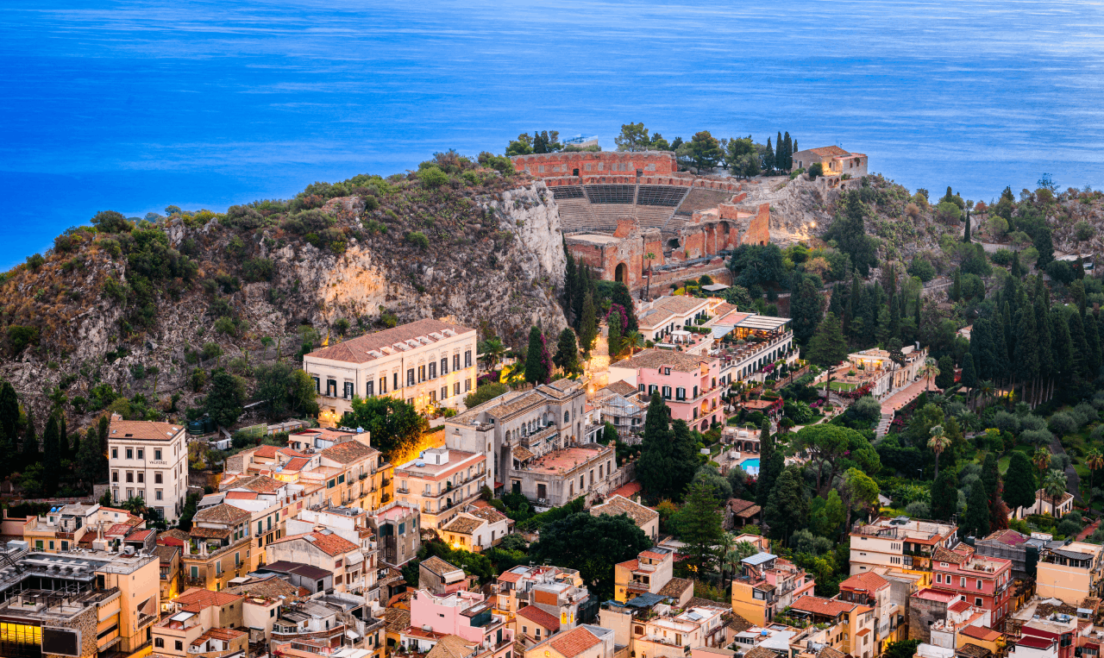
{"x": 621, "y": 274}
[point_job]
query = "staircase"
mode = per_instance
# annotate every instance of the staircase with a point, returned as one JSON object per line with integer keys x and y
{"x": 883, "y": 424}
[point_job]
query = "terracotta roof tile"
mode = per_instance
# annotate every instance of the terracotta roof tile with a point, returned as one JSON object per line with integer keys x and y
{"x": 489, "y": 514}
{"x": 654, "y": 359}
{"x": 221, "y": 513}
{"x": 451, "y": 646}
{"x": 980, "y": 633}
{"x": 196, "y": 599}
{"x": 675, "y": 587}
{"x": 865, "y": 582}
{"x": 819, "y": 606}
{"x": 618, "y": 505}
{"x": 535, "y": 614}
{"x": 143, "y": 430}
{"x": 330, "y": 544}
{"x": 573, "y": 643}
{"x": 358, "y": 350}
{"x": 266, "y": 451}
{"x": 349, "y": 452}
{"x": 396, "y": 619}
{"x": 463, "y": 525}
{"x": 438, "y": 566}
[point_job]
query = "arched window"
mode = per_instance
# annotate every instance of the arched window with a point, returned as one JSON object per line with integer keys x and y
{"x": 567, "y": 416}
{"x": 159, "y": 643}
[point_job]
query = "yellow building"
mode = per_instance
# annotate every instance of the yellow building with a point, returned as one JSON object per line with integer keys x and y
{"x": 1070, "y": 573}
{"x": 82, "y": 603}
{"x": 217, "y": 549}
{"x": 200, "y": 622}
{"x": 66, "y": 527}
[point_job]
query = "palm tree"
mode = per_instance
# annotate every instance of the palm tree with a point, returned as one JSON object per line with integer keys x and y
{"x": 633, "y": 339}
{"x": 938, "y": 443}
{"x": 985, "y": 389}
{"x": 493, "y": 349}
{"x": 930, "y": 370}
{"x": 1041, "y": 459}
{"x": 1094, "y": 460}
{"x": 1054, "y": 486}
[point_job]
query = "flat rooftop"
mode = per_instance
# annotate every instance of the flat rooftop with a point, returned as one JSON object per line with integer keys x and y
{"x": 564, "y": 460}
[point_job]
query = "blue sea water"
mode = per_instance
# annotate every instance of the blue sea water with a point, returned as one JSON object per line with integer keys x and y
{"x": 140, "y": 104}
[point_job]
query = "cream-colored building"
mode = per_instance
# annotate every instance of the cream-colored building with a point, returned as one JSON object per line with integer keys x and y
{"x": 427, "y": 363}
{"x": 1070, "y": 573}
{"x": 150, "y": 460}
{"x": 1044, "y": 504}
{"x": 901, "y": 545}
{"x": 441, "y": 482}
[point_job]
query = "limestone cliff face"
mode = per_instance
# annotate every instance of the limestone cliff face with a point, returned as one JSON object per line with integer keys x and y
{"x": 492, "y": 260}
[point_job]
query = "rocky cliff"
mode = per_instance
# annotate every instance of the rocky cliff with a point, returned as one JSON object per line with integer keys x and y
{"x": 139, "y": 306}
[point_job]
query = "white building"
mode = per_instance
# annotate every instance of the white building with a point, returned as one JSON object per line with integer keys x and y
{"x": 426, "y": 363}
{"x": 150, "y": 460}
{"x": 477, "y": 529}
{"x": 441, "y": 482}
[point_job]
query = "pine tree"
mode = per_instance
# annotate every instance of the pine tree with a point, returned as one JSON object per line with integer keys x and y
{"x": 567, "y": 352}
{"x": 795, "y": 150}
{"x": 51, "y": 453}
{"x": 828, "y": 346}
{"x": 787, "y": 507}
{"x": 536, "y": 361}
{"x": 944, "y": 495}
{"x": 588, "y": 323}
{"x": 1017, "y": 270}
{"x": 31, "y": 455}
{"x": 976, "y": 521}
{"x": 701, "y": 527}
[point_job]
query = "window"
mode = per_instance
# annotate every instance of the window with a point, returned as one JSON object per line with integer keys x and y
{"x": 395, "y": 380}
{"x": 456, "y": 388}
{"x": 195, "y": 572}
{"x": 141, "y": 454}
{"x": 979, "y": 583}
{"x": 130, "y": 476}
{"x": 159, "y": 642}
{"x": 444, "y": 392}
{"x": 157, "y": 454}
{"x": 237, "y": 559}
{"x": 939, "y": 578}
{"x": 114, "y": 453}
{"x": 467, "y": 359}
{"x": 157, "y": 495}
{"x": 410, "y": 377}
{"x": 350, "y": 390}
{"x": 179, "y": 645}
{"x": 421, "y": 373}
{"x": 51, "y": 544}
{"x": 456, "y": 361}
{"x": 383, "y": 385}
{"x": 977, "y": 601}
{"x": 317, "y": 385}
{"x": 433, "y": 396}
{"x": 680, "y": 393}
{"x": 114, "y": 476}
{"x": 433, "y": 370}
{"x": 130, "y": 453}
{"x": 331, "y": 388}
{"x": 444, "y": 366}
{"x": 467, "y": 385}
{"x": 141, "y": 477}
{"x": 962, "y": 582}
{"x": 666, "y": 392}
{"x": 64, "y": 545}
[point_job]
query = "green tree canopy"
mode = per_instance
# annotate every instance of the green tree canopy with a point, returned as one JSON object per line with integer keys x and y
{"x": 667, "y": 461}
{"x": 394, "y": 424}
{"x": 1019, "y": 481}
{"x": 226, "y": 399}
{"x": 591, "y": 544}
{"x": 700, "y": 523}
{"x": 788, "y": 506}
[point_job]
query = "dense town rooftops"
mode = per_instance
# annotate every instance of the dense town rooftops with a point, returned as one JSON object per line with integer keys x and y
{"x": 197, "y": 599}
{"x": 864, "y": 582}
{"x": 655, "y": 359}
{"x": 824, "y": 607}
{"x": 349, "y": 452}
{"x": 142, "y": 430}
{"x": 396, "y": 340}
{"x": 326, "y": 541}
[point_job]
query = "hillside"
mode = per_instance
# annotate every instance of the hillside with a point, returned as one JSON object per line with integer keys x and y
{"x": 139, "y": 305}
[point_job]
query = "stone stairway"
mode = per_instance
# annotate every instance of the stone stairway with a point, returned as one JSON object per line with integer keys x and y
{"x": 883, "y": 424}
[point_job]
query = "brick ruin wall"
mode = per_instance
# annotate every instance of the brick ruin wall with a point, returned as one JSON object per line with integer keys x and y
{"x": 695, "y": 241}
{"x": 588, "y": 163}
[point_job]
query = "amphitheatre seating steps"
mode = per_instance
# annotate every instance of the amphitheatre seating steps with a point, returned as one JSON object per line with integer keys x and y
{"x": 611, "y": 194}
{"x": 575, "y": 215}
{"x": 656, "y": 195}
{"x": 652, "y": 216}
{"x": 606, "y": 215}
{"x": 568, "y": 192}
{"x": 702, "y": 199}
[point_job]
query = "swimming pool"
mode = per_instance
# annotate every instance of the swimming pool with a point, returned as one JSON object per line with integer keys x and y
{"x": 750, "y": 466}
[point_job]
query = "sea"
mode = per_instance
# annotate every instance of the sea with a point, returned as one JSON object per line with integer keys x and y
{"x": 140, "y": 104}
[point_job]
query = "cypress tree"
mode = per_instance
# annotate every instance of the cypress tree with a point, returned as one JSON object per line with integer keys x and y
{"x": 966, "y": 236}
{"x": 51, "y": 456}
{"x": 536, "y": 359}
{"x": 569, "y": 287}
{"x": 1027, "y": 347}
{"x": 768, "y": 157}
{"x": 977, "y": 511}
{"x": 1080, "y": 346}
{"x": 779, "y": 152}
{"x": 990, "y": 475}
{"x": 767, "y": 472}
{"x": 1060, "y": 347}
{"x": 998, "y": 349}
{"x": 588, "y": 323}
{"x": 102, "y": 430}
{"x": 622, "y": 297}
{"x": 956, "y": 287}
{"x": 614, "y": 333}
{"x": 1019, "y": 481}
{"x": 1092, "y": 337}
{"x": 31, "y": 455}
{"x": 944, "y": 495}
{"x": 63, "y": 439}
{"x": 795, "y": 149}
{"x": 787, "y": 508}
{"x": 1042, "y": 329}
{"x": 788, "y": 148}
{"x": 9, "y": 412}
{"x": 969, "y": 374}
{"x": 567, "y": 351}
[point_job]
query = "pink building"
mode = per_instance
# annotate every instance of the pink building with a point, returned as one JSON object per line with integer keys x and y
{"x": 687, "y": 382}
{"x": 464, "y": 614}
{"x": 984, "y": 582}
